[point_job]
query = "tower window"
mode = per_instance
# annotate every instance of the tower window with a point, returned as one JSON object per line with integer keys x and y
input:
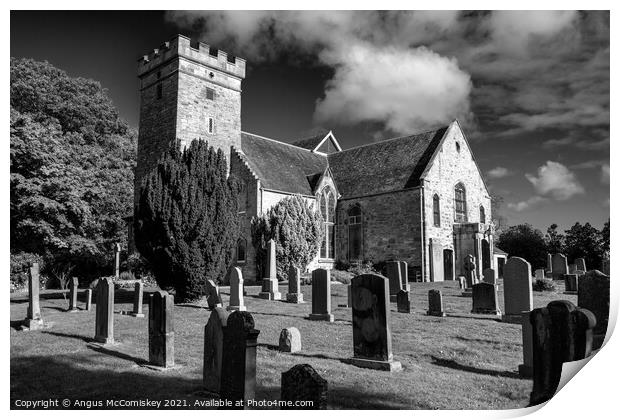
{"x": 211, "y": 126}
{"x": 210, "y": 94}
{"x": 159, "y": 91}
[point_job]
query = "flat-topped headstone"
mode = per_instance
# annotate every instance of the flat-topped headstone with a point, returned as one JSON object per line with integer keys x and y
{"x": 104, "y": 312}
{"x": 236, "y": 302}
{"x": 403, "y": 302}
{"x": 138, "y": 293}
{"x": 562, "y": 333}
{"x": 270, "y": 281}
{"x": 580, "y": 264}
{"x": 294, "y": 294}
{"x": 88, "y": 299}
{"x": 213, "y": 295}
{"x": 321, "y": 296}
{"x": 559, "y": 266}
{"x": 485, "y": 299}
{"x": 117, "y": 260}
{"x": 73, "y": 294}
{"x": 372, "y": 336}
{"x": 526, "y": 368}
{"x": 488, "y": 276}
{"x": 239, "y": 359}
{"x": 161, "y": 329}
{"x": 435, "y": 303}
{"x": 517, "y": 289}
{"x": 290, "y": 340}
{"x": 570, "y": 283}
{"x": 33, "y": 320}
{"x": 303, "y": 383}
{"x": 539, "y": 274}
{"x": 593, "y": 294}
{"x": 214, "y": 350}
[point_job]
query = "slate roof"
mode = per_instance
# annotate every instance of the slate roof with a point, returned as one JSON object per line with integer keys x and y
{"x": 311, "y": 142}
{"x": 390, "y": 165}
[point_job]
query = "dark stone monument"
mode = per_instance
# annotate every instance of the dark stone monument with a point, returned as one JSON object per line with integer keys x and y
{"x": 33, "y": 320}
{"x": 161, "y": 329}
{"x": 303, "y": 383}
{"x": 137, "y": 300}
{"x": 73, "y": 297}
{"x": 485, "y": 299}
{"x": 104, "y": 312}
{"x": 239, "y": 360}
{"x": 435, "y": 303}
{"x": 88, "y": 299}
{"x": 372, "y": 338}
{"x": 213, "y": 350}
{"x": 562, "y": 333}
{"x": 517, "y": 289}
{"x": 570, "y": 284}
{"x": 559, "y": 266}
{"x": 488, "y": 276}
{"x": 593, "y": 294}
{"x": 321, "y": 296}
{"x": 294, "y": 294}
{"x": 403, "y": 302}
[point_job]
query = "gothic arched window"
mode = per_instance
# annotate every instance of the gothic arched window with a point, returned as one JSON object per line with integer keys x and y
{"x": 460, "y": 203}
{"x": 436, "y": 214}
{"x": 354, "y": 219}
{"x": 482, "y": 215}
{"x": 327, "y": 205}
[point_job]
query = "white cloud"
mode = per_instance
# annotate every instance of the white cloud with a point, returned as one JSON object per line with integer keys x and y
{"x": 527, "y": 204}
{"x": 556, "y": 181}
{"x": 498, "y": 172}
{"x": 605, "y": 174}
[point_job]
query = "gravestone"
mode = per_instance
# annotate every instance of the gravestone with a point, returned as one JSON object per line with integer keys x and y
{"x": 348, "y": 304}
{"x": 270, "y": 281}
{"x": 488, "y": 275}
{"x": 572, "y": 268}
{"x": 236, "y": 302}
{"x": 303, "y": 383}
{"x": 137, "y": 300}
{"x": 549, "y": 263}
{"x": 403, "y": 302}
{"x": 88, "y": 298}
{"x": 485, "y": 299}
{"x": 73, "y": 294}
{"x": 559, "y": 266}
{"x": 294, "y": 294}
{"x": 214, "y": 349}
{"x": 117, "y": 260}
{"x": 213, "y": 295}
{"x": 33, "y": 320}
{"x": 562, "y": 333}
{"x": 372, "y": 337}
{"x": 470, "y": 270}
{"x": 104, "y": 312}
{"x": 435, "y": 303}
{"x": 580, "y": 264}
{"x": 570, "y": 284}
{"x": 526, "y": 369}
{"x": 239, "y": 360}
{"x": 404, "y": 275}
{"x": 539, "y": 274}
{"x": 593, "y": 294}
{"x": 321, "y": 296}
{"x": 517, "y": 289}
{"x": 392, "y": 269}
{"x": 435, "y": 260}
{"x": 161, "y": 329}
{"x": 290, "y": 340}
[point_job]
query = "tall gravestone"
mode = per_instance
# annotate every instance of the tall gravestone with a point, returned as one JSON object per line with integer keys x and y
{"x": 33, "y": 320}
{"x": 570, "y": 283}
{"x": 372, "y": 336}
{"x": 517, "y": 289}
{"x": 435, "y": 303}
{"x": 485, "y": 299}
{"x": 161, "y": 329}
{"x": 562, "y": 333}
{"x": 138, "y": 293}
{"x": 392, "y": 269}
{"x": 580, "y": 264}
{"x": 526, "y": 368}
{"x": 594, "y": 294}
{"x": 236, "y": 302}
{"x": 294, "y": 294}
{"x": 321, "y": 296}
{"x": 214, "y": 350}
{"x": 559, "y": 266}
{"x": 104, "y": 312}
{"x": 303, "y": 383}
{"x": 488, "y": 275}
{"x": 73, "y": 295}
{"x": 403, "y": 302}
{"x": 117, "y": 260}
{"x": 213, "y": 295}
{"x": 239, "y": 360}
{"x": 270, "y": 281}
{"x": 88, "y": 299}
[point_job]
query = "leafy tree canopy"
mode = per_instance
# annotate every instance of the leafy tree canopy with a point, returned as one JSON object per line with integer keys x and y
{"x": 526, "y": 242}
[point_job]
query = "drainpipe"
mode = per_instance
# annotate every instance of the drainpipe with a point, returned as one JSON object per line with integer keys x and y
{"x": 422, "y": 212}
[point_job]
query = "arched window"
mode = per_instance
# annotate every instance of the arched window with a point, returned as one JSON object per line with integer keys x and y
{"x": 241, "y": 244}
{"x": 482, "y": 215}
{"x": 460, "y": 204}
{"x": 436, "y": 214}
{"x": 242, "y": 198}
{"x": 354, "y": 219}
{"x": 327, "y": 205}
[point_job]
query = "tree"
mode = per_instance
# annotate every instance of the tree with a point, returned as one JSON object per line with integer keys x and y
{"x": 497, "y": 218}
{"x": 297, "y": 230}
{"x": 185, "y": 223}
{"x": 585, "y": 241}
{"x": 554, "y": 240}
{"x": 605, "y": 236}
{"x": 72, "y": 161}
{"x": 526, "y": 242}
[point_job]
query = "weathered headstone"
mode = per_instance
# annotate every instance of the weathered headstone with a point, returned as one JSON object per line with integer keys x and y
{"x": 392, "y": 269}
{"x": 593, "y": 294}
{"x": 485, "y": 299}
{"x": 137, "y": 300}
{"x": 526, "y": 369}
{"x": 239, "y": 360}
{"x": 117, "y": 260}
{"x": 562, "y": 333}
{"x": 488, "y": 275}
{"x": 570, "y": 284}
{"x": 403, "y": 302}
{"x": 290, "y": 340}
{"x": 435, "y": 303}
{"x": 539, "y": 274}
{"x": 294, "y": 294}
{"x": 580, "y": 264}
{"x": 559, "y": 266}
{"x": 372, "y": 337}
{"x": 161, "y": 329}
{"x": 88, "y": 299}
{"x": 236, "y": 302}
{"x": 214, "y": 349}
{"x": 73, "y": 294}
{"x": 213, "y": 295}
{"x": 104, "y": 312}
{"x": 321, "y": 296}
{"x": 270, "y": 281}
{"x": 33, "y": 320}
{"x": 572, "y": 268}
{"x": 517, "y": 289}
{"x": 303, "y": 383}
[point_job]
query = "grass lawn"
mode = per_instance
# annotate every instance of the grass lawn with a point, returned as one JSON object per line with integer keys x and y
{"x": 463, "y": 361}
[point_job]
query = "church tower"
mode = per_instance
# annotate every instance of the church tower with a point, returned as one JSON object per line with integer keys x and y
{"x": 187, "y": 91}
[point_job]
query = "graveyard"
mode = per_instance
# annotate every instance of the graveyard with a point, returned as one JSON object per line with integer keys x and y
{"x": 461, "y": 361}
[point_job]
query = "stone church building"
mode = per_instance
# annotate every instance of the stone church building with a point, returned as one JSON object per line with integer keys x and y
{"x": 419, "y": 198}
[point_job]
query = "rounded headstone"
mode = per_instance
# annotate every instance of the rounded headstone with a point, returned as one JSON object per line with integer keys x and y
{"x": 290, "y": 340}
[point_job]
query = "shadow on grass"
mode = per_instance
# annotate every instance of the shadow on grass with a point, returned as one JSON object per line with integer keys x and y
{"x": 280, "y": 314}
{"x": 120, "y": 296}
{"x": 455, "y": 365}
{"x": 114, "y": 353}
{"x": 190, "y": 305}
{"x": 16, "y": 325}
{"x": 268, "y": 346}
{"x": 487, "y": 318}
{"x": 64, "y": 335}
{"x": 56, "y": 308}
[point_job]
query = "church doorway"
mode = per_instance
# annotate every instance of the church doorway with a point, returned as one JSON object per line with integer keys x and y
{"x": 486, "y": 254}
{"x": 448, "y": 264}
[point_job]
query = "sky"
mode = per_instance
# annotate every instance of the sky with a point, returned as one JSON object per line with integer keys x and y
{"x": 530, "y": 88}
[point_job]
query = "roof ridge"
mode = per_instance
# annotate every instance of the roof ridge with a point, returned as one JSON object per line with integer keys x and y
{"x": 392, "y": 139}
{"x": 322, "y": 135}
{"x": 277, "y": 141}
